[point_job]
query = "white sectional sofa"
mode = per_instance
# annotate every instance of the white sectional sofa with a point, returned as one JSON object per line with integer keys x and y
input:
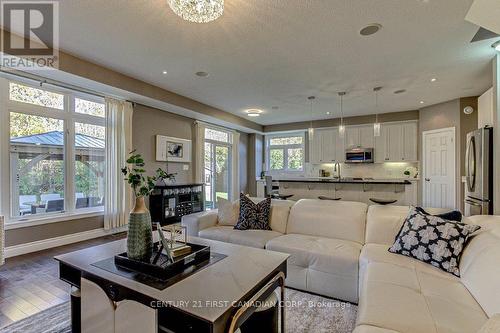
{"x": 340, "y": 249}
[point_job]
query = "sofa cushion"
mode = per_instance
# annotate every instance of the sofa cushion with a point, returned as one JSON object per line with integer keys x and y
{"x": 253, "y": 238}
{"x": 479, "y": 266}
{"x": 326, "y": 266}
{"x": 253, "y": 215}
{"x": 227, "y": 211}
{"x": 384, "y": 222}
{"x": 424, "y": 298}
{"x": 332, "y": 219}
{"x": 492, "y": 325}
{"x": 433, "y": 240}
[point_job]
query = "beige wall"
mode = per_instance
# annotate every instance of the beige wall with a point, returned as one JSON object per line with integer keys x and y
{"x": 46, "y": 231}
{"x": 444, "y": 115}
{"x": 255, "y": 160}
{"x": 149, "y": 122}
{"x": 244, "y": 149}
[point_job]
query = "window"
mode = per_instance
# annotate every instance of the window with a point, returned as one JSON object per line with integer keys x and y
{"x": 56, "y": 151}
{"x": 285, "y": 152}
{"x": 218, "y": 166}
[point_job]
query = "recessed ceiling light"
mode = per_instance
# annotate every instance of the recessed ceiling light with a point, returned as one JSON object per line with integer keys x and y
{"x": 370, "y": 29}
{"x": 496, "y": 46}
{"x": 328, "y": 112}
{"x": 434, "y": 79}
{"x": 202, "y": 74}
{"x": 165, "y": 72}
{"x": 422, "y": 102}
{"x": 400, "y": 91}
{"x": 253, "y": 112}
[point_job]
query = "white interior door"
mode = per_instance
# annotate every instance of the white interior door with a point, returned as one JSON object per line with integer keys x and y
{"x": 439, "y": 168}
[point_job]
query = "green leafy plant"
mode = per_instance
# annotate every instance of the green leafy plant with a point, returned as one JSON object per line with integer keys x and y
{"x": 163, "y": 175}
{"x": 134, "y": 173}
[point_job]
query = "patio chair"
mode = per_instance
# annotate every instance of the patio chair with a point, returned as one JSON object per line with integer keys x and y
{"x": 54, "y": 205}
{"x": 95, "y": 202}
{"x": 82, "y": 203}
{"x": 25, "y": 203}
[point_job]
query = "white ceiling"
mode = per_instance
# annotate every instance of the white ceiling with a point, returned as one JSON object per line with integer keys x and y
{"x": 265, "y": 53}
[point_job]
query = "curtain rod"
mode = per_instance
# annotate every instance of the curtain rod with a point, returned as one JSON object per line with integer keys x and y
{"x": 41, "y": 80}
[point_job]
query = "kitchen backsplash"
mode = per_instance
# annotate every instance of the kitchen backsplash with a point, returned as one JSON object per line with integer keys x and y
{"x": 371, "y": 170}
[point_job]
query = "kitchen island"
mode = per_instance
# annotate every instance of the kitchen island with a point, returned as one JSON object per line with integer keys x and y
{"x": 405, "y": 191}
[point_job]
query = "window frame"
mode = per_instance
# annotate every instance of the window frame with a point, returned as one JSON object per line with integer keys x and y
{"x": 285, "y": 148}
{"x": 229, "y": 145}
{"x": 69, "y": 117}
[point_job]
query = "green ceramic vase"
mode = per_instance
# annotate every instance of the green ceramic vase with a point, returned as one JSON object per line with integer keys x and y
{"x": 140, "y": 232}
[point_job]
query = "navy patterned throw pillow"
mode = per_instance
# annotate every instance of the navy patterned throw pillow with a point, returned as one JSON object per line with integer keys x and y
{"x": 253, "y": 215}
{"x": 433, "y": 240}
{"x": 454, "y": 215}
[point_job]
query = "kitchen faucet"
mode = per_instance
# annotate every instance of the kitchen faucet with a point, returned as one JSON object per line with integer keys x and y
{"x": 337, "y": 164}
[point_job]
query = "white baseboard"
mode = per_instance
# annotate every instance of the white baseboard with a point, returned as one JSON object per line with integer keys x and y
{"x": 44, "y": 244}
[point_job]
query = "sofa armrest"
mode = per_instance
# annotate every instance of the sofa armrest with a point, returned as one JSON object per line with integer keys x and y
{"x": 199, "y": 221}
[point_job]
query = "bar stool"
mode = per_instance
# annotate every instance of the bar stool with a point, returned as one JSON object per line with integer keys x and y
{"x": 264, "y": 319}
{"x": 274, "y": 193}
{"x": 383, "y": 202}
{"x": 322, "y": 197}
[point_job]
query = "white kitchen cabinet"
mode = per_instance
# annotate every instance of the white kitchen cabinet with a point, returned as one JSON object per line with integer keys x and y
{"x": 394, "y": 142}
{"x": 339, "y": 146}
{"x": 326, "y": 146}
{"x": 485, "y": 109}
{"x": 359, "y": 137}
{"x": 315, "y": 147}
{"x": 366, "y": 136}
{"x": 410, "y": 139}
{"x": 351, "y": 137}
{"x": 397, "y": 142}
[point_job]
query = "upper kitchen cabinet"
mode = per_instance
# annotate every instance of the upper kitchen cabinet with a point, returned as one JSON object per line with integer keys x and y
{"x": 397, "y": 142}
{"x": 325, "y": 146}
{"x": 410, "y": 141}
{"x": 359, "y": 137}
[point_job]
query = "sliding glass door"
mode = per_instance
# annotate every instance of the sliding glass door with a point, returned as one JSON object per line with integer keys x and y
{"x": 218, "y": 167}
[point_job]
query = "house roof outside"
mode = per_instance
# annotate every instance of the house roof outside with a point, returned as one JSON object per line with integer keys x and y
{"x": 56, "y": 139}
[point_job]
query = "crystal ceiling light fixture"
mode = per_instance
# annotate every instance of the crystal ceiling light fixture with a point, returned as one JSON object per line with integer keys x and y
{"x": 197, "y": 11}
{"x": 311, "y": 129}
{"x": 342, "y": 126}
{"x": 376, "y": 125}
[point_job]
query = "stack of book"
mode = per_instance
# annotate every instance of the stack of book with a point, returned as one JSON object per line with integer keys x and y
{"x": 179, "y": 249}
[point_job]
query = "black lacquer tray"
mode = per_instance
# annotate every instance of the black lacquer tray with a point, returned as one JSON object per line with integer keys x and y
{"x": 162, "y": 268}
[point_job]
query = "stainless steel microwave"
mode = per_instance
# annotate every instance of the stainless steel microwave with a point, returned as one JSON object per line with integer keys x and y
{"x": 359, "y": 155}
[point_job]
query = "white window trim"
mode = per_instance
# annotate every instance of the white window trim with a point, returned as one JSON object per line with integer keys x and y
{"x": 69, "y": 116}
{"x": 285, "y": 171}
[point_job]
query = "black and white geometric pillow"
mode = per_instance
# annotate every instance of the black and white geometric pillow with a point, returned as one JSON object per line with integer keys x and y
{"x": 433, "y": 240}
{"x": 252, "y": 215}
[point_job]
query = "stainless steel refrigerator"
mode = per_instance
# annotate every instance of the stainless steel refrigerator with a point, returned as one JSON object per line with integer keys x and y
{"x": 479, "y": 172}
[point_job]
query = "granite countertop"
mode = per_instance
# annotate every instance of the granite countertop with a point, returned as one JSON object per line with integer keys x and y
{"x": 347, "y": 180}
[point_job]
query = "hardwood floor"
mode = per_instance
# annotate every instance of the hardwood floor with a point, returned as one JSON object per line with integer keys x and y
{"x": 30, "y": 283}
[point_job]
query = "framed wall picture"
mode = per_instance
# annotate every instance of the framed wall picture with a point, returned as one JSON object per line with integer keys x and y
{"x": 169, "y": 149}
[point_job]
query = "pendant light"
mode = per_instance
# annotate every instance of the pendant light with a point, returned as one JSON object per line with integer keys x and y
{"x": 376, "y": 125}
{"x": 311, "y": 129}
{"x": 342, "y": 127}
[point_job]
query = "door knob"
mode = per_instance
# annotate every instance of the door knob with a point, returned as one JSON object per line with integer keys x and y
{"x": 427, "y": 179}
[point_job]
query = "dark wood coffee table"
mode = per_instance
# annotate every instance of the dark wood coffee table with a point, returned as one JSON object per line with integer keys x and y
{"x": 217, "y": 298}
